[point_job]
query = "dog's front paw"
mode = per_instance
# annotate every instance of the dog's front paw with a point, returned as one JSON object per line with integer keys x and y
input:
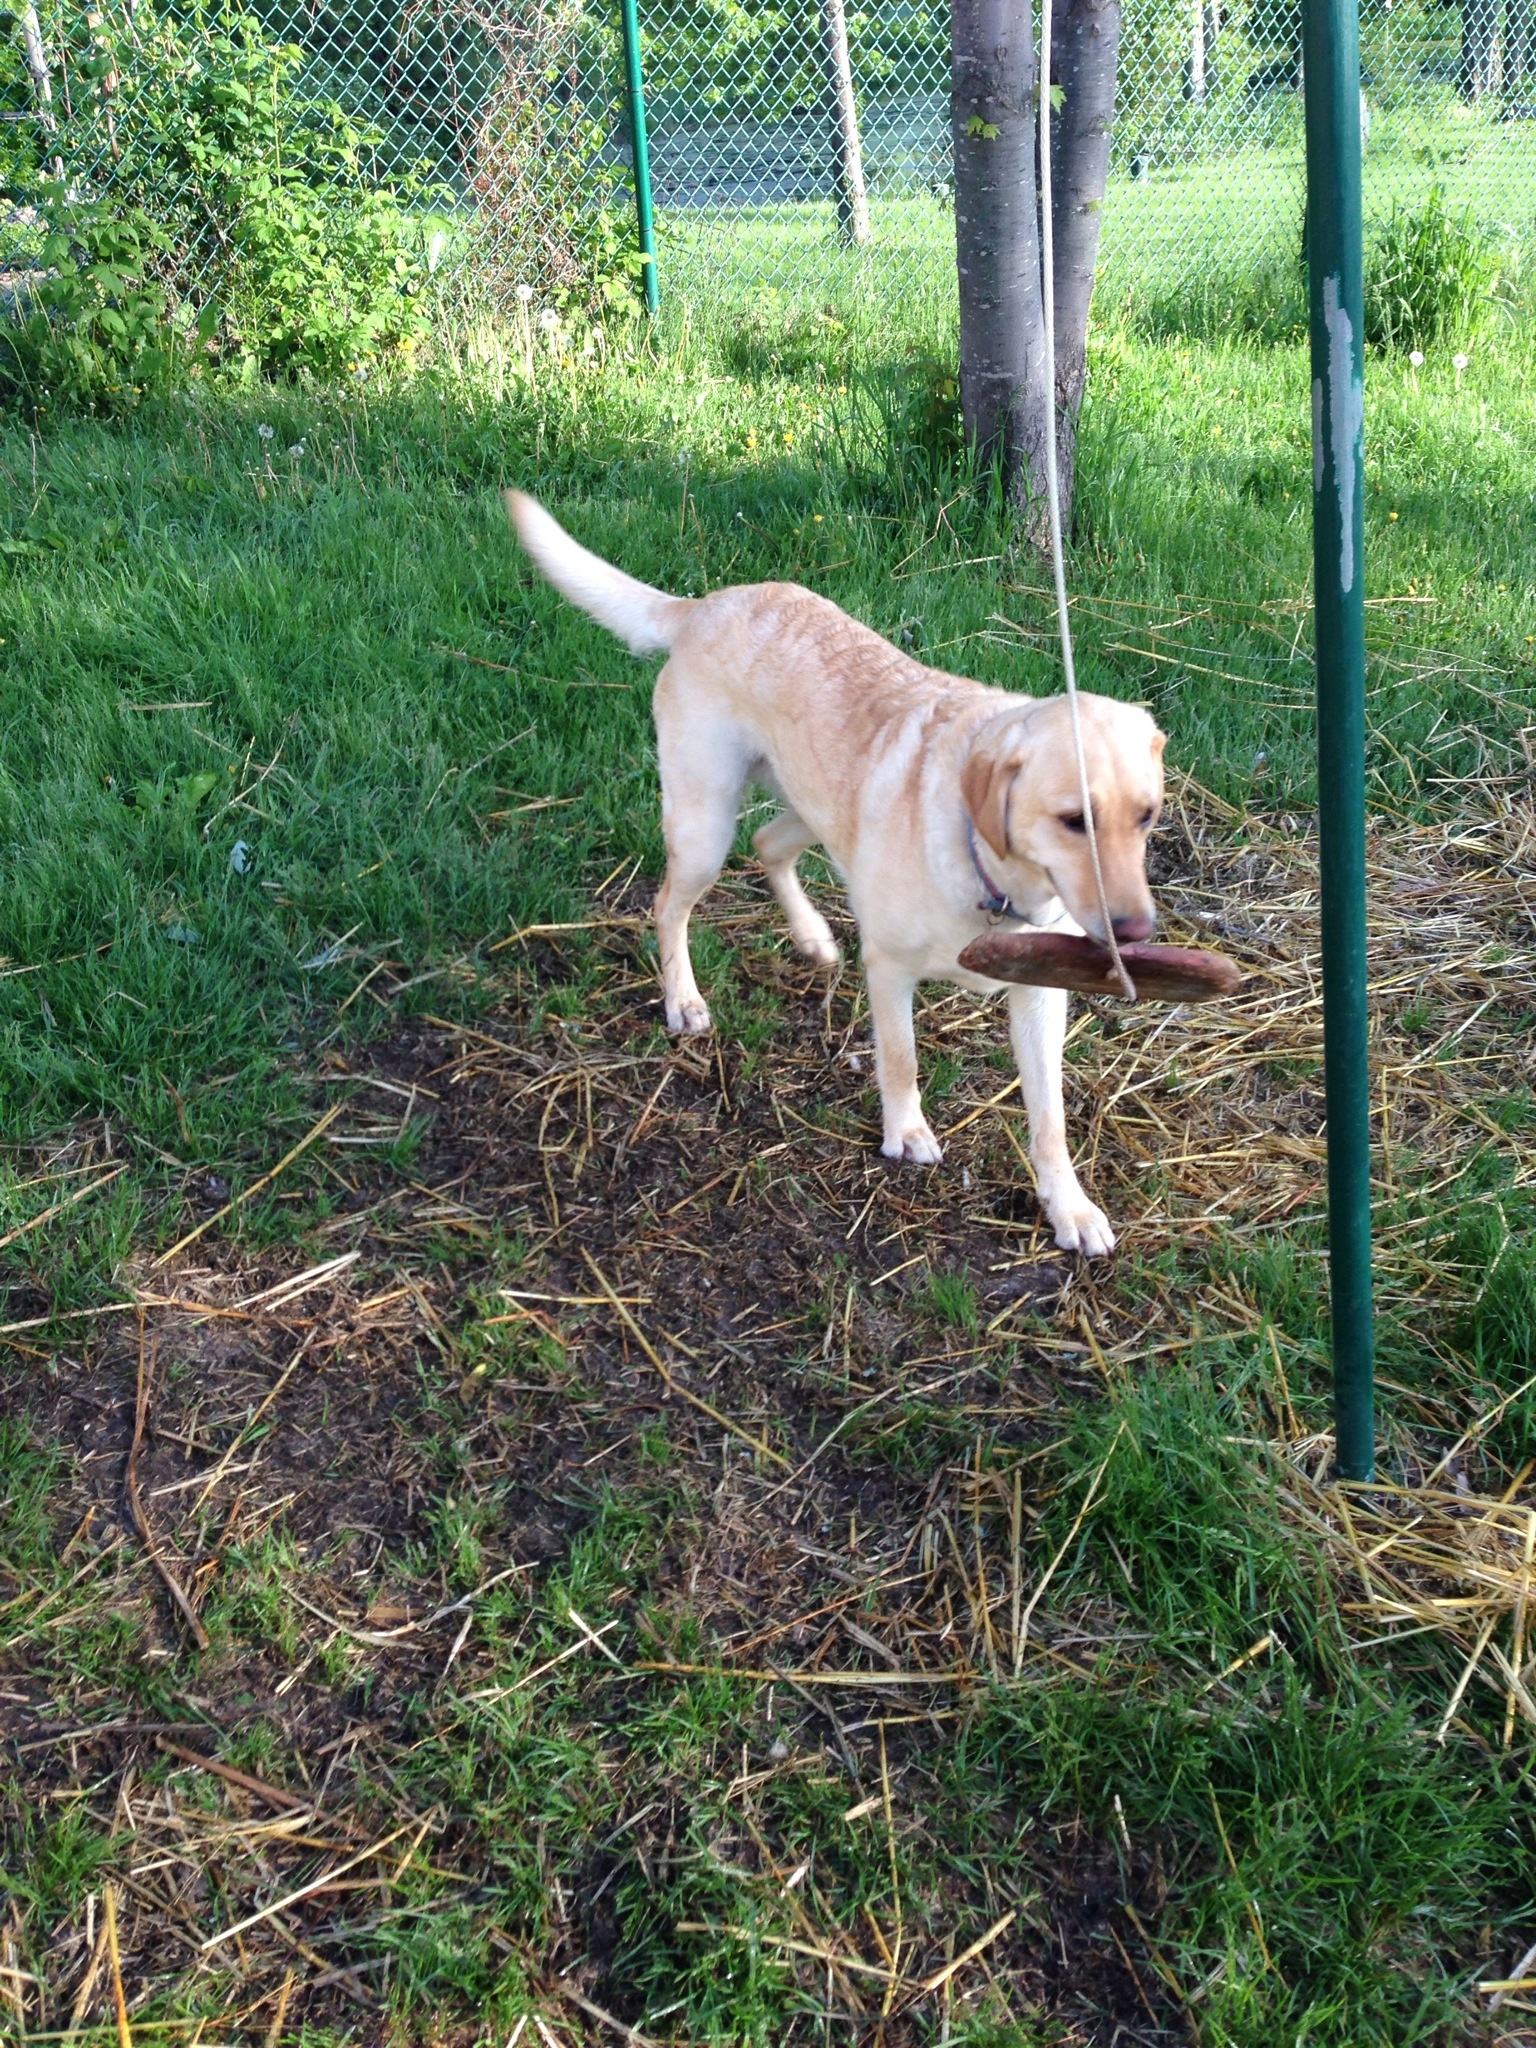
{"x": 1081, "y": 1227}
{"x": 819, "y": 947}
{"x": 916, "y": 1144}
{"x": 689, "y": 1018}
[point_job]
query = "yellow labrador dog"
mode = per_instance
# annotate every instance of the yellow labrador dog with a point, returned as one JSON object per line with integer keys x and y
{"x": 943, "y": 804}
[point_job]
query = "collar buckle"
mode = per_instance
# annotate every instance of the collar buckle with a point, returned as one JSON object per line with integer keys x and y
{"x": 993, "y": 901}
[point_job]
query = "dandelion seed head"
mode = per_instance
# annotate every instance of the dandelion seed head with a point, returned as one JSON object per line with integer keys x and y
{"x": 525, "y": 293}
{"x": 1459, "y": 362}
{"x": 266, "y": 433}
{"x": 1416, "y": 357}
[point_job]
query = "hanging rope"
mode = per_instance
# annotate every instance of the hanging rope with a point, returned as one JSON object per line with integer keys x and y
{"x": 1053, "y": 489}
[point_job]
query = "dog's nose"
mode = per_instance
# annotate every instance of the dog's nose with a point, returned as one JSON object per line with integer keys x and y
{"x": 1130, "y": 931}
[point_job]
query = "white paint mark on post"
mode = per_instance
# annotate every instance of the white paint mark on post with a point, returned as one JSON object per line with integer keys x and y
{"x": 1317, "y": 435}
{"x": 1346, "y": 407}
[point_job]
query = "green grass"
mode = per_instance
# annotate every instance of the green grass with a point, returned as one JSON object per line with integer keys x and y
{"x": 377, "y": 687}
{"x": 1205, "y": 237}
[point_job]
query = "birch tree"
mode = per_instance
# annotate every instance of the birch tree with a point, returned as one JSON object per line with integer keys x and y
{"x": 848, "y": 155}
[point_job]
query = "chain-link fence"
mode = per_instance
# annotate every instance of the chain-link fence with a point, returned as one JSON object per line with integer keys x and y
{"x": 798, "y": 151}
{"x": 1207, "y": 172}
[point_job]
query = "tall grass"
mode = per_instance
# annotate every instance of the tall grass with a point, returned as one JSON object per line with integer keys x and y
{"x": 1433, "y": 278}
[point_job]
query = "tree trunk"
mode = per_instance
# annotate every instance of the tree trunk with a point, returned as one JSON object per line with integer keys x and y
{"x": 1479, "y": 48}
{"x": 1519, "y": 46}
{"x": 848, "y": 164}
{"x": 997, "y": 229}
{"x": 1085, "y": 50}
{"x": 1194, "y": 70}
{"x": 997, "y": 246}
{"x": 1212, "y": 32}
{"x": 42, "y": 85}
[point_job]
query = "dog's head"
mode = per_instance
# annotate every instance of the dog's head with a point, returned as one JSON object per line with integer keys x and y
{"x": 1020, "y": 786}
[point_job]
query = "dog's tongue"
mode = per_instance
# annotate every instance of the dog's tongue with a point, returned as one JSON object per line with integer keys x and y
{"x": 1168, "y": 974}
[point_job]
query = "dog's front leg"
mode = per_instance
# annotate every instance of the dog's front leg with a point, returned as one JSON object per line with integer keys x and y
{"x": 907, "y": 1135}
{"x": 1037, "y": 1020}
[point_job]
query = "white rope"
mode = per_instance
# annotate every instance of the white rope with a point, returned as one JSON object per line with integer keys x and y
{"x": 1053, "y": 488}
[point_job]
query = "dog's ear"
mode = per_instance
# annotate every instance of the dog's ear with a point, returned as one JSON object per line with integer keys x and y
{"x": 986, "y": 782}
{"x": 1159, "y": 741}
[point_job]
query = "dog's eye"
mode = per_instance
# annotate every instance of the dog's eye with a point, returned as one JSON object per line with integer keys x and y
{"x": 1148, "y": 820}
{"x": 1075, "y": 822}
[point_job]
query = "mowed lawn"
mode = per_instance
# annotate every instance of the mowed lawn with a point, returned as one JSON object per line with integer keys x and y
{"x": 293, "y": 746}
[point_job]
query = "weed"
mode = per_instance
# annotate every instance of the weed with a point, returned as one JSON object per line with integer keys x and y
{"x": 787, "y": 344}
{"x": 949, "y": 1298}
{"x": 1432, "y": 278}
{"x": 95, "y": 331}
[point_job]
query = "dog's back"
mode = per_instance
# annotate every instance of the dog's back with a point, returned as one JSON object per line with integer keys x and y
{"x": 781, "y": 652}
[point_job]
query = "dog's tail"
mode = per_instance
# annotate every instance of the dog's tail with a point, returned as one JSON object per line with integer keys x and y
{"x": 647, "y": 619}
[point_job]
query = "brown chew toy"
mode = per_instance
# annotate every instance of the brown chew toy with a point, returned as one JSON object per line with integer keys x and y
{"x": 1167, "y": 974}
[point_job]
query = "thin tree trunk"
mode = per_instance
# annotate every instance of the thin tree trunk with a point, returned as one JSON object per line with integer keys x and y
{"x": 997, "y": 246}
{"x": 42, "y": 84}
{"x": 1479, "y": 53}
{"x": 1194, "y": 70}
{"x": 1085, "y": 51}
{"x": 848, "y": 167}
{"x": 997, "y": 229}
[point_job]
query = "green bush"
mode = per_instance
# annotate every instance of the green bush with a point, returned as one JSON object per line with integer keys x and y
{"x": 1431, "y": 278}
{"x": 94, "y": 332}
{"x": 321, "y": 260}
{"x": 228, "y": 189}
{"x": 548, "y": 207}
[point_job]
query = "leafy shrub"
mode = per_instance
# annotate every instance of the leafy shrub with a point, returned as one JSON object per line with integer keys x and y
{"x": 548, "y": 203}
{"x": 20, "y": 133}
{"x": 93, "y": 332}
{"x": 1431, "y": 278}
{"x": 608, "y": 263}
{"x": 223, "y": 183}
{"x": 321, "y": 259}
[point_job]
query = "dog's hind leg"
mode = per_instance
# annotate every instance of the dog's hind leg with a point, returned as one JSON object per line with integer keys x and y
{"x": 1037, "y": 1020}
{"x": 779, "y": 844}
{"x": 702, "y": 775}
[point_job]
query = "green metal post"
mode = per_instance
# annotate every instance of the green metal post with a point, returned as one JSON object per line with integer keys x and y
{"x": 642, "y": 152}
{"x": 1331, "y": 59}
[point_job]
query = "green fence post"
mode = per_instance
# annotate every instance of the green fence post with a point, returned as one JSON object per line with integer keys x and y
{"x": 642, "y": 152}
{"x": 1331, "y": 57}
